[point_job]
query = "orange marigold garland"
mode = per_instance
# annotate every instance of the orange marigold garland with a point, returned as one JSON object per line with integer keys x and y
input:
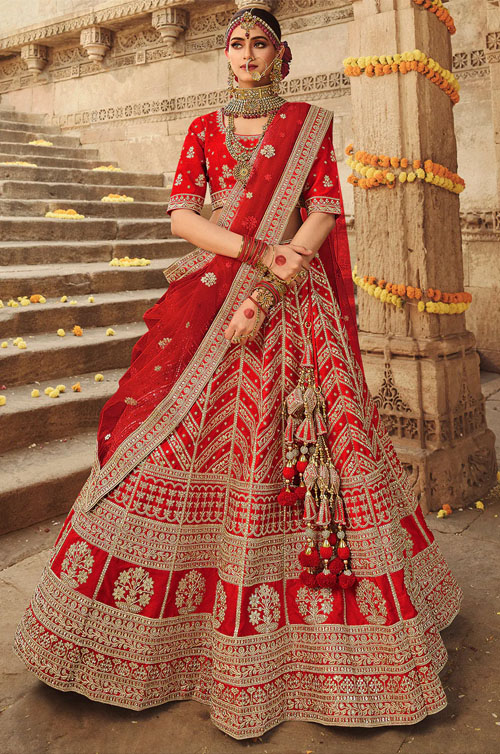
{"x": 398, "y": 294}
{"x": 380, "y": 170}
{"x": 437, "y": 7}
{"x": 414, "y": 60}
{"x": 325, "y": 558}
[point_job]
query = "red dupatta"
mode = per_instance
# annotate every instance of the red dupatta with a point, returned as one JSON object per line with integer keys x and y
{"x": 174, "y": 359}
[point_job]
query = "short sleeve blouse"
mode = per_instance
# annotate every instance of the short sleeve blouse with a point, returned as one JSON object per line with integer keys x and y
{"x": 204, "y": 159}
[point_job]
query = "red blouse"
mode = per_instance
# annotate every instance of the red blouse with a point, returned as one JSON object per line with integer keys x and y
{"x": 205, "y": 159}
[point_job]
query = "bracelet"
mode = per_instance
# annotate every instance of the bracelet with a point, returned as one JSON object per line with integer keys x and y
{"x": 259, "y": 305}
{"x": 252, "y": 250}
{"x": 278, "y": 284}
{"x": 265, "y": 297}
{"x": 256, "y": 324}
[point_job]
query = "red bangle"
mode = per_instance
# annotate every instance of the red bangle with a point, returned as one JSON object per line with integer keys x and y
{"x": 260, "y": 307}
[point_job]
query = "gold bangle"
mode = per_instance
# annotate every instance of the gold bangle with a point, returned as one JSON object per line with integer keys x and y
{"x": 241, "y": 247}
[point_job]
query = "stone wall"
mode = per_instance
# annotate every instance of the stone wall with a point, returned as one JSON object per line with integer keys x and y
{"x": 138, "y": 101}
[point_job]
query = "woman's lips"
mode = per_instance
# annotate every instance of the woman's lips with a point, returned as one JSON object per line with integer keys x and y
{"x": 250, "y": 66}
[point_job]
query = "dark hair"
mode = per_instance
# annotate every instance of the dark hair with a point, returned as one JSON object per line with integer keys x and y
{"x": 264, "y": 15}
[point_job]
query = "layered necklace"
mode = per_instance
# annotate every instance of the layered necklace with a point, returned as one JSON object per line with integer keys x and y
{"x": 240, "y": 153}
{"x": 254, "y": 102}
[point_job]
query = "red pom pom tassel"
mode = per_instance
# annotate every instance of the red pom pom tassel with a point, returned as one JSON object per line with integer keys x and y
{"x": 346, "y": 580}
{"x": 310, "y": 559}
{"x": 343, "y": 552}
{"x": 326, "y": 579}
{"x": 287, "y": 496}
{"x": 309, "y": 579}
{"x": 336, "y": 566}
{"x": 300, "y": 491}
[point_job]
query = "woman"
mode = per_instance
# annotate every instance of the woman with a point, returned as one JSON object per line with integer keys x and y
{"x": 247, "y": 536}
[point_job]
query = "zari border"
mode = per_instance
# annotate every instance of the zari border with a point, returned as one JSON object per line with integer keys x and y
{"x": 169, "y": 412}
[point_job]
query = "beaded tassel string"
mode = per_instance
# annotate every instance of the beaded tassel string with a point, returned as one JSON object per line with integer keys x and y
{"x": 326, "y": 556}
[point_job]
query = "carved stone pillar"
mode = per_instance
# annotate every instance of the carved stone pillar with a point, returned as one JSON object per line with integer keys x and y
{"x": 96, "y": 41}
{"x": 35, "y": 56}
{"x": 422, "y": 368}
{"x": 170, "y": 22}
{"x": 493, "y": 58}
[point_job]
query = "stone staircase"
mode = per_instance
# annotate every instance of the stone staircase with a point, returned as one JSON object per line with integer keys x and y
{"x": 47, "y": 444}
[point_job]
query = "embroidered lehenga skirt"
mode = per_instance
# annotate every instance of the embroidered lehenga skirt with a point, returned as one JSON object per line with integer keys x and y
{"x": 183, "y": 582}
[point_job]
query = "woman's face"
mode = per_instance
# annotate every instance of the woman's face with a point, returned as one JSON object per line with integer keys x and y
{"x": 258, "y": 49}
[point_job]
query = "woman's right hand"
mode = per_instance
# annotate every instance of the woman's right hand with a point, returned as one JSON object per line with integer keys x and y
{"x": 289, "y": 260}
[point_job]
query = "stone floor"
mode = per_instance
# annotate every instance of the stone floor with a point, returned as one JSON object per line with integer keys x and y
{"x": 37, "y": 719}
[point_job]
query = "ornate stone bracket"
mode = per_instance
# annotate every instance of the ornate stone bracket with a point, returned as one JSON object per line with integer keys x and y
{"x": 269, "y": 5}
{"x": 96, "y": 41}
{"x": 171, "y": 23}
{"x": 35, "y": 56}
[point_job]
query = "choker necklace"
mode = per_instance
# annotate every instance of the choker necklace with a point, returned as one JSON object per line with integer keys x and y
{"x": 253, "y": 103}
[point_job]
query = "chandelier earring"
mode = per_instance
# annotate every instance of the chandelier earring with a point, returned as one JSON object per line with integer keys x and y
{"x": 276, "y": 76}
{"x": 231, "y": 78}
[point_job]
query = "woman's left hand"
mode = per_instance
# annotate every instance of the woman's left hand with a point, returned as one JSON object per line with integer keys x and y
{"x": 243, "y": 322}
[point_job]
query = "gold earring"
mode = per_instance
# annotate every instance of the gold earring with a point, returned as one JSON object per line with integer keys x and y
{"x": 230, "y": 78}
{"x": 276, "y": 76}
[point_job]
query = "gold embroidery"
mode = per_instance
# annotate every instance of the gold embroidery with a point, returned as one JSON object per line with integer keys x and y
{"x": 190, "y": 592}
{"x": 164, "y": 342}
{"x": 77, "y": 564}
{"x": 133, "y": 590}
{"x": 371, "y": 602}
{"x": 131, "y": 401}
{"x": 264, "y": 608}
{"x": 220, "y": 605}
{"x": 315, "y": 605}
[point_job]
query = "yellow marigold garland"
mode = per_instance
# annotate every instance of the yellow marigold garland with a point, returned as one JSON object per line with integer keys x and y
{"x": 398, "y": 294}
{"x": 437, "y": 7}
{"x": 117, "y": 198}
{"x": 65, "y": 214}
{"x": 414, "y": 60}
{"x": 108, "y": 168}
{"x": 129, "y": 262}
{"x": 379, "y": 170}
{"x": 23, "y": 163}
{"x": 41, "y": 143}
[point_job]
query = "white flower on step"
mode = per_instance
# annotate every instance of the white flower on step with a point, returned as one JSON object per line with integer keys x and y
{"x": 209, "y": 278}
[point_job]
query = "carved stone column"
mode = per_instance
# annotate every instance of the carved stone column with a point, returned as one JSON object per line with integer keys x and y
{"x": 96, "y": 41}
{"x": 422, "y": 368}
{"x": 35, "y": 56}
{"x": 171, "y": 23}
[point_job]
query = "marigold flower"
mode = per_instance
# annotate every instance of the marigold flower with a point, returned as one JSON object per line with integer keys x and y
{"x": 35, "y": 393}
{"x": 54, "y": 394}
{"x": 110, "y": 331}
{"x": 42, "y": 300}
{"x": 3, "y": 400}
{"x": 61, "y": 388}
{"x": 35, "y": 298}
{"x": 77, "y": 330}
{"x": 480, "y": 505}
{"x": 61, "y": 332}
{"x": 25, "y": 301}
{"x": 76, "y": 388}
{"x": 48, "y": 390}
{"x": 4, "y": 344}
{"x": 421, "y": 306}
{"x": 21, "y": 344}
{"x": 91, "y": 299}
{"x": 99, "y": 377}
{"x": 63, "y": 299}
{"x": 73, "y": 302}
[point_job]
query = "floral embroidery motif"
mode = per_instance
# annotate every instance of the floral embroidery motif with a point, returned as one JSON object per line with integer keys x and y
{"x": 106, "y": 437}
{"x": 282, "y": 115}
{"x": 371, "y": 602}
{"x": 77, "y": 564}
{"x": 190, "y": 152}
{"x": 190, "y": 592}
{"x": 157, "y": 368}
{"x": 264, "y": 609}
{"x": 209, "y": 278}
{"x": 178, "y": 180}
{"x": 220, "y": 605}
{"x": 268, "y": 150}
{"x": 202, "y": 135}
{"x": 133, "y": 589}
{"x": 249, "y": 223}
{"x": 131, "y": 401}
{"x": 315, "y": 605}
{"x": 226, "y": 171}
{"x": 332, "y": 156}
{"x": 249, "y": 195}
{"x": 200, "y": 180}
{"x": 164, "y": 342}
{"x": 327, "y": 181}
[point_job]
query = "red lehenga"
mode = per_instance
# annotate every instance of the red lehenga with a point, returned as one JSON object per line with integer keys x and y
{"x": 176, "y": 572}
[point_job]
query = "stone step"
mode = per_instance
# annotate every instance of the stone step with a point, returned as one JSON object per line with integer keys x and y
{"x": 44, "y": 481}
{"x": 27, "y": 420}
{"x": 88, "y": 229}
{"x": 76, "y": 153}
{"x": 85, "y": 176}
{"x": 40, "y": 252}
{"x": 38, "y": 208}
{"x": 24, "y": 137}
{"x": 37, "y": 190}
{"x": 56, "y": 280}
{"x": 39, "y": 128}
{"x": 47, "y": 355}
{"x": 49, "y": 161}
{"x": 108, "y": 310}
{"x": 10, "y": 113}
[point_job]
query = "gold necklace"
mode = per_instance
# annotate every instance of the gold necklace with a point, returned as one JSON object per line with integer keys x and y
{"x": 240, "y": 153}
{"x": 253, "y": 103}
